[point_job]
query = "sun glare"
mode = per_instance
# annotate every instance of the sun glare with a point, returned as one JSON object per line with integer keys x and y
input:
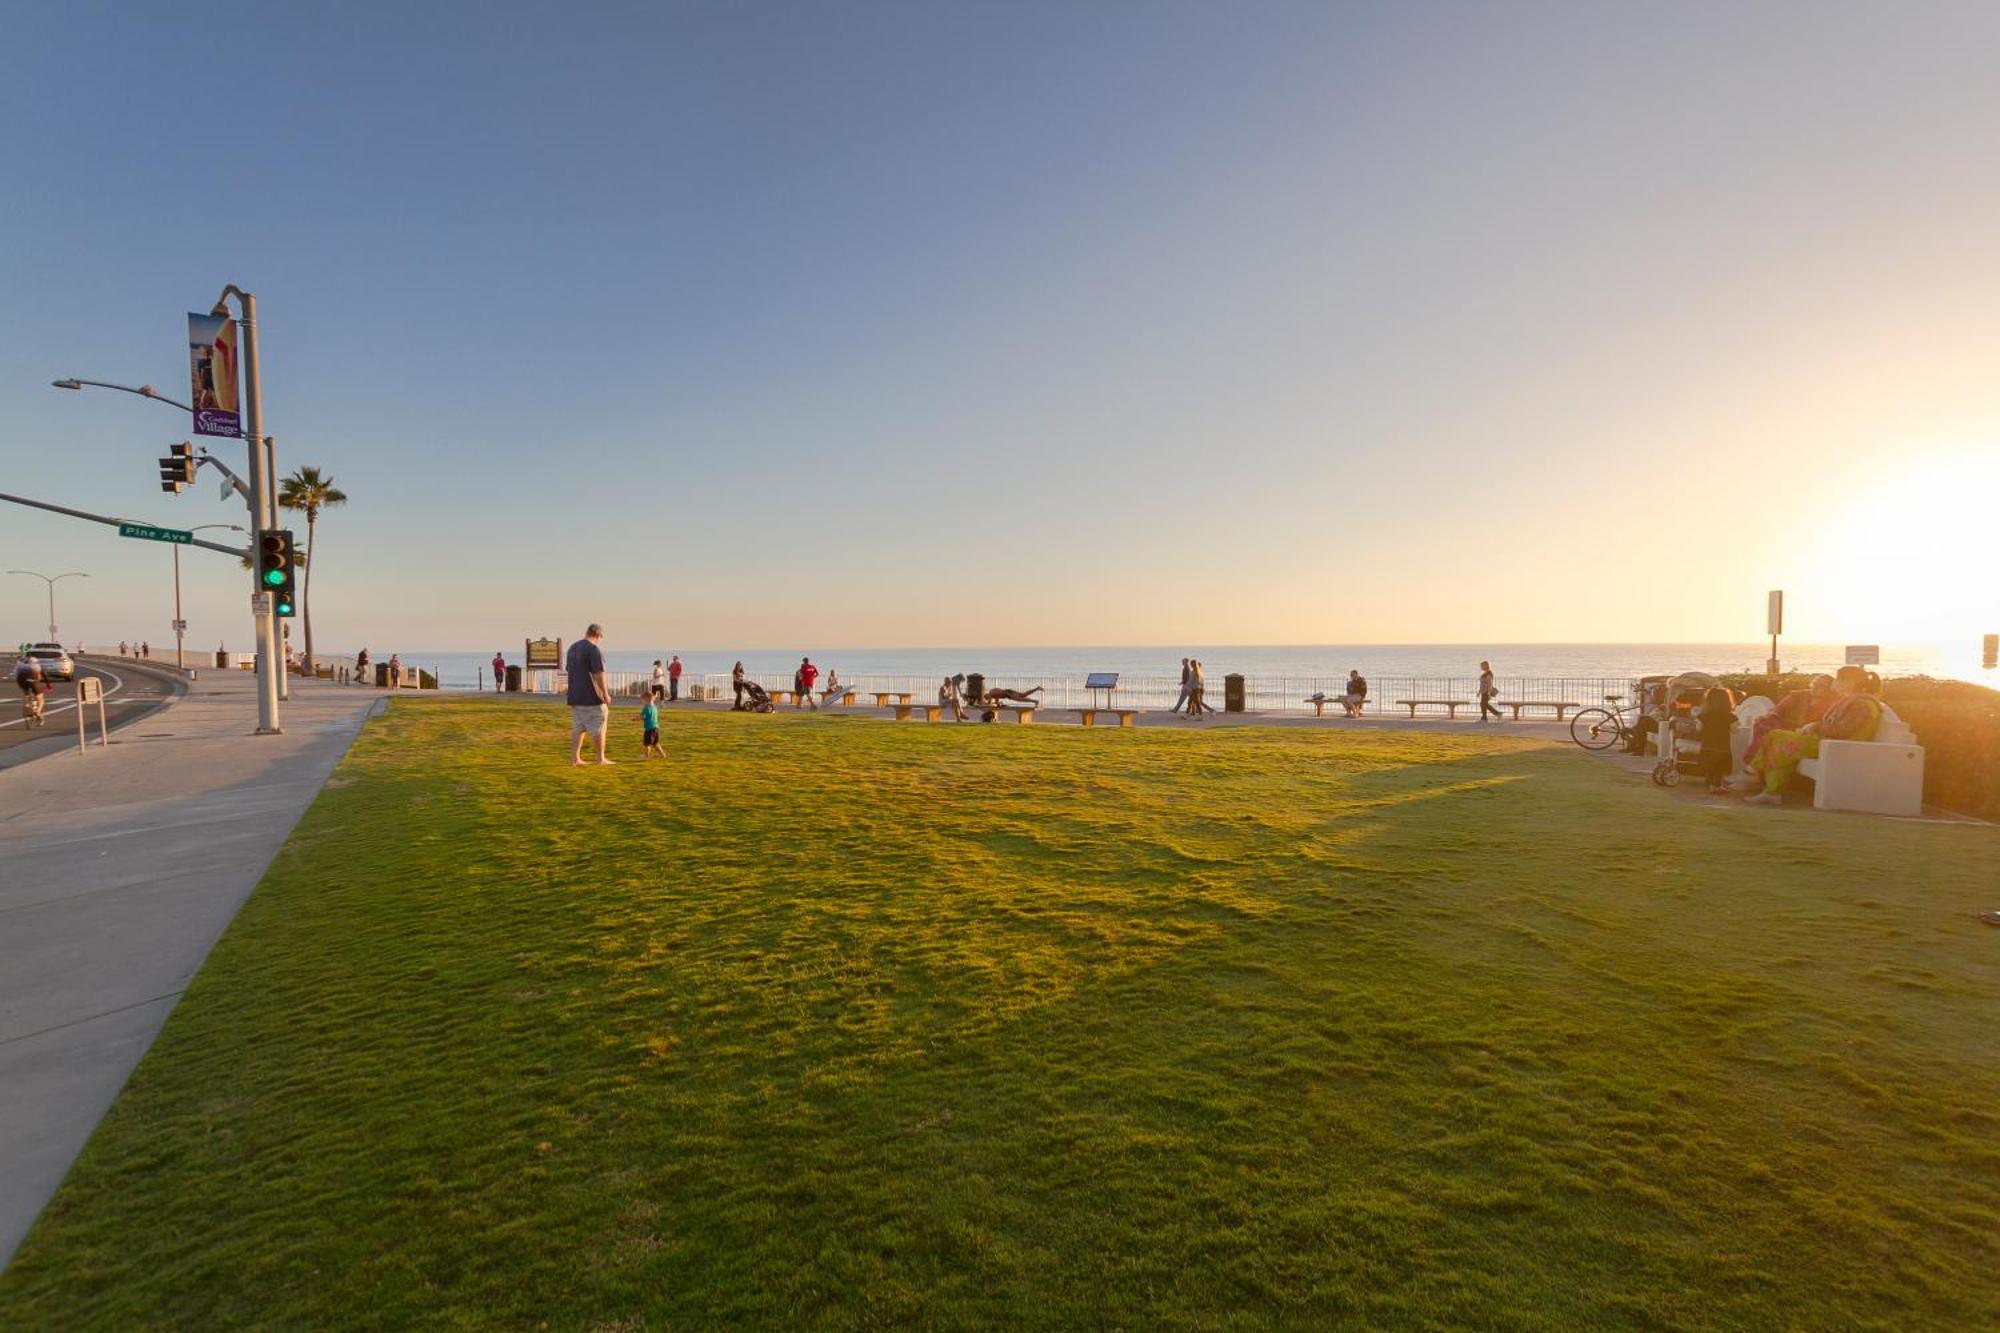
{"x": 1914, "y": 554}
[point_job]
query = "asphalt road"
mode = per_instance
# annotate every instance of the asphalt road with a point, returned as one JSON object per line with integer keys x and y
{"x": 129, "y": 695}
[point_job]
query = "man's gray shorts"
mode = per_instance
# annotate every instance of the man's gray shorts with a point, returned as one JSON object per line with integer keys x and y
{"x": 590, "y": 718}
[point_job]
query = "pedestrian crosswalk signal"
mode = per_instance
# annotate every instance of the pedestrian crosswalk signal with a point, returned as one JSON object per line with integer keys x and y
{"x": 277, "y": 569}
{"x": 177, "y": 469}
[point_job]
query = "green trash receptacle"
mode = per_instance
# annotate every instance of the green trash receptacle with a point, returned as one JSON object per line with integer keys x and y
{"x": 1232, "y": 693}
{"x": 975, "y": 686}
{"x": 513, "y": 680}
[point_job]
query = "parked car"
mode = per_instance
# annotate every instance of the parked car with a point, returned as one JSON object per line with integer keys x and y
{"x": 56, "y": 664}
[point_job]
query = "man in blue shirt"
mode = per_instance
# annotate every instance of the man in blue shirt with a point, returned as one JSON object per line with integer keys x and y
{"x": 589, "y": 696}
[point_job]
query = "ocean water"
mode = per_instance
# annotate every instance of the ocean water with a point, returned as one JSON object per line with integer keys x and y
{"x": 1621, "y": 661}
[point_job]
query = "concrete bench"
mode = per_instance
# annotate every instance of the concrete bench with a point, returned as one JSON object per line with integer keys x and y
{"x": 1320, "y": 701}
{"x": 1883, "y": 776}
{"x": 931, "y": 712}
{"x": 1023, "y": 713}
{"x": 1518, "y": 705}
{"x": 1089, "y": 715}
{"x": 1452, "y": 704}
{"x": 882, "y": 697}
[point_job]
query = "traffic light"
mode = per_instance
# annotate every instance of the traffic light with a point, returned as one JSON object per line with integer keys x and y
{"x": 277, "y": 569}
{"x": 177, "y": 470}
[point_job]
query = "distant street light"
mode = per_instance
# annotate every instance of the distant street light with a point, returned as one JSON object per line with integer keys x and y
{"x": 143, "y": 391}
{"x": 50, "y": 579}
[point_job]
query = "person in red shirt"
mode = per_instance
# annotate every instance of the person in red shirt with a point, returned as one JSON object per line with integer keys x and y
{"x": 808, "y": 673}
{"x": 499, "y": 671}
{"x": 673, "y": 680}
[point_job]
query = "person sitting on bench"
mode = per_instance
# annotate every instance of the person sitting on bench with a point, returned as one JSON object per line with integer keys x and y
{"x": 950, "y": 699}
{"x": 1357, "y": 694}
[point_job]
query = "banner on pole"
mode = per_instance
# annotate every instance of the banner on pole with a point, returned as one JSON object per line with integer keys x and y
{"x": 212, "y": 374}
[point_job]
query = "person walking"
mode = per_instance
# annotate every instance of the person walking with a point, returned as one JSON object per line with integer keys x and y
{"x": 803, "y": 686}
{"x": 1187, "y": 684}
{"x": 1488, "y": 691}
{"x": 659, "y": 678}
{"x": 499, "y": 672}
{"x": 736, "y": 679}
{"x": 395, "y": 671}
{"x": 589, "y": 697}
{"x": 674, "y": 679}
{"x": 361, "y": 667}
{"x": 1197, "y": 689}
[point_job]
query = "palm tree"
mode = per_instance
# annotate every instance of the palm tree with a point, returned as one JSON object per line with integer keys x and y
{"x": 306, "y": 489}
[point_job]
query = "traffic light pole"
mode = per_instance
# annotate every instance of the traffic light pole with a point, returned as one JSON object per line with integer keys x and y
{"x": 263, "y": 484}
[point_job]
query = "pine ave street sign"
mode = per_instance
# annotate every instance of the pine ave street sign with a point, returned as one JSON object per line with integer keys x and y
{"x": 147, "y": 532}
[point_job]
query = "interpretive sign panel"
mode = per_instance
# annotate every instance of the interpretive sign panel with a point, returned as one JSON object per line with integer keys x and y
{"x": 147, "y": 532}
{"x": 543, "y": 655}
{"x": 1864, "y": 654}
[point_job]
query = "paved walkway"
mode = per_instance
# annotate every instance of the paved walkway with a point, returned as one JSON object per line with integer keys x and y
{"x": 123, "y": 866}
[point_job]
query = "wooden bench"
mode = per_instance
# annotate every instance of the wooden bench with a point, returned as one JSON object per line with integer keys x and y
{"x": 1561, "y": 708}
{"x": 1089, "y": 715}
{"x": 1452, "y": 704}
{"x": 931, "y": 712}
{"x": 882, "y": 697}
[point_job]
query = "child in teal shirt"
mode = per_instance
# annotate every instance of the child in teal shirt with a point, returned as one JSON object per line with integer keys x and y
{"x": 649, "y": 718}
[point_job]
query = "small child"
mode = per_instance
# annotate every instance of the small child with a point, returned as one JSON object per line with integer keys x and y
{"x": 1717, "y": 718}
{"x": 649, "y": 718}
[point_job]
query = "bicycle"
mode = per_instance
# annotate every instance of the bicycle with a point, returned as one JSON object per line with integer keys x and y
{"x": 1600, "y": 728}
{"x": 32, "y": 709}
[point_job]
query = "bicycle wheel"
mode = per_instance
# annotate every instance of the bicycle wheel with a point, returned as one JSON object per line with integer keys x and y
{"x": 1596, "y": 728}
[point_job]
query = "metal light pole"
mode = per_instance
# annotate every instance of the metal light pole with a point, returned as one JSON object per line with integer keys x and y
{"x": 263, "y": 504}
{"x": 50, "y": 579}
{"x": 180, "y": 625}
{"x": 260, "y": 494}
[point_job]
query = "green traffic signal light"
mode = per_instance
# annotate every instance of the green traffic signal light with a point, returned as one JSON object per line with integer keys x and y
{"x": 274, "y": 577}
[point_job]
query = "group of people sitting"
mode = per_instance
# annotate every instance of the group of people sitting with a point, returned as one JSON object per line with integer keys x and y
{"x": 1846, "y": 706}
{"x": 955, "y": 696}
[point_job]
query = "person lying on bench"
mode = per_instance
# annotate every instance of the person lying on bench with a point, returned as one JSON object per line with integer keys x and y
{"x": 1012, "y": 696}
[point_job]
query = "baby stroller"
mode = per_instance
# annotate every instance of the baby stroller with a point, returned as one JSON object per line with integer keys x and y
{"x": 760, "y": 698}
{"x": 1671, "y": 702}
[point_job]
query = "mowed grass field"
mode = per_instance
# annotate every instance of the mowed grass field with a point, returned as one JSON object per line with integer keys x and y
{"x": 830, "y": 1022}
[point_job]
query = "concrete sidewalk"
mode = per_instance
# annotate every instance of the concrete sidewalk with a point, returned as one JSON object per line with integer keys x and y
{"x": 123, "y": 867}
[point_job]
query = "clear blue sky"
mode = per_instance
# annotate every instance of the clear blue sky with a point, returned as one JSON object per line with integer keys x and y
{"x": 940, "y": 323}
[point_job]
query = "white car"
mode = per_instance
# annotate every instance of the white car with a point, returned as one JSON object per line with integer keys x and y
{"x": 56, "y": 664}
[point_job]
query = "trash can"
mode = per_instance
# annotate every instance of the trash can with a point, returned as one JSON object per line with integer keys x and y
{"x": 975, "y": 687}
{"x": 221, "y": 660}
{"x": 1232, "y": 693}
{"x": 382, "y": 680}
{"x": 513, "y": 680}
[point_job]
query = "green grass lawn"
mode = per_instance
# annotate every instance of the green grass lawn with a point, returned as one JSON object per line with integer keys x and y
{"x": 832, "y": 1022}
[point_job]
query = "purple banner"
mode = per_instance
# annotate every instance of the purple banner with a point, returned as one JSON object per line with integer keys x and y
{"x": 212, "y": 375}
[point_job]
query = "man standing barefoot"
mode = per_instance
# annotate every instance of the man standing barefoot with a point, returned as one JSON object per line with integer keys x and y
{"x": 589, "y": 696}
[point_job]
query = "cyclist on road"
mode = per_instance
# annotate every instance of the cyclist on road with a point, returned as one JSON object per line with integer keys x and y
{"x": 28, "y": 675}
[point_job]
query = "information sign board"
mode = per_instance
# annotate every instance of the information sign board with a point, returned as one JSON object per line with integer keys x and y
{"x": 543, "y": 655}
{"x": 1864, "y": 654}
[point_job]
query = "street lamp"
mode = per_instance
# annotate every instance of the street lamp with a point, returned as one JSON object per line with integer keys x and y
{"x": 261, "y": 492}
{"x": 180, "y": 625}
{"x": 50, "y": 579}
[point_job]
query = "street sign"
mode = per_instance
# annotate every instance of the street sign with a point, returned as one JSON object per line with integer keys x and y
{"x": 1864, "y": 654}
{"x": 260, "y": 603}
{"x": 147, "y": 532}
{"x": 180, "y": 626}
{"x": 89, "y": 689}
{"x": 1774, "y": 612}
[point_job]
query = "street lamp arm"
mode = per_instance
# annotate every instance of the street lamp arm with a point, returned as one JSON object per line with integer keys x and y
{"x": 143, "y": 391}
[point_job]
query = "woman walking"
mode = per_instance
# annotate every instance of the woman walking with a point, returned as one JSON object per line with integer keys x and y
{"x": 1488, "y": 691}
{"x": 1197, "y": 690}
